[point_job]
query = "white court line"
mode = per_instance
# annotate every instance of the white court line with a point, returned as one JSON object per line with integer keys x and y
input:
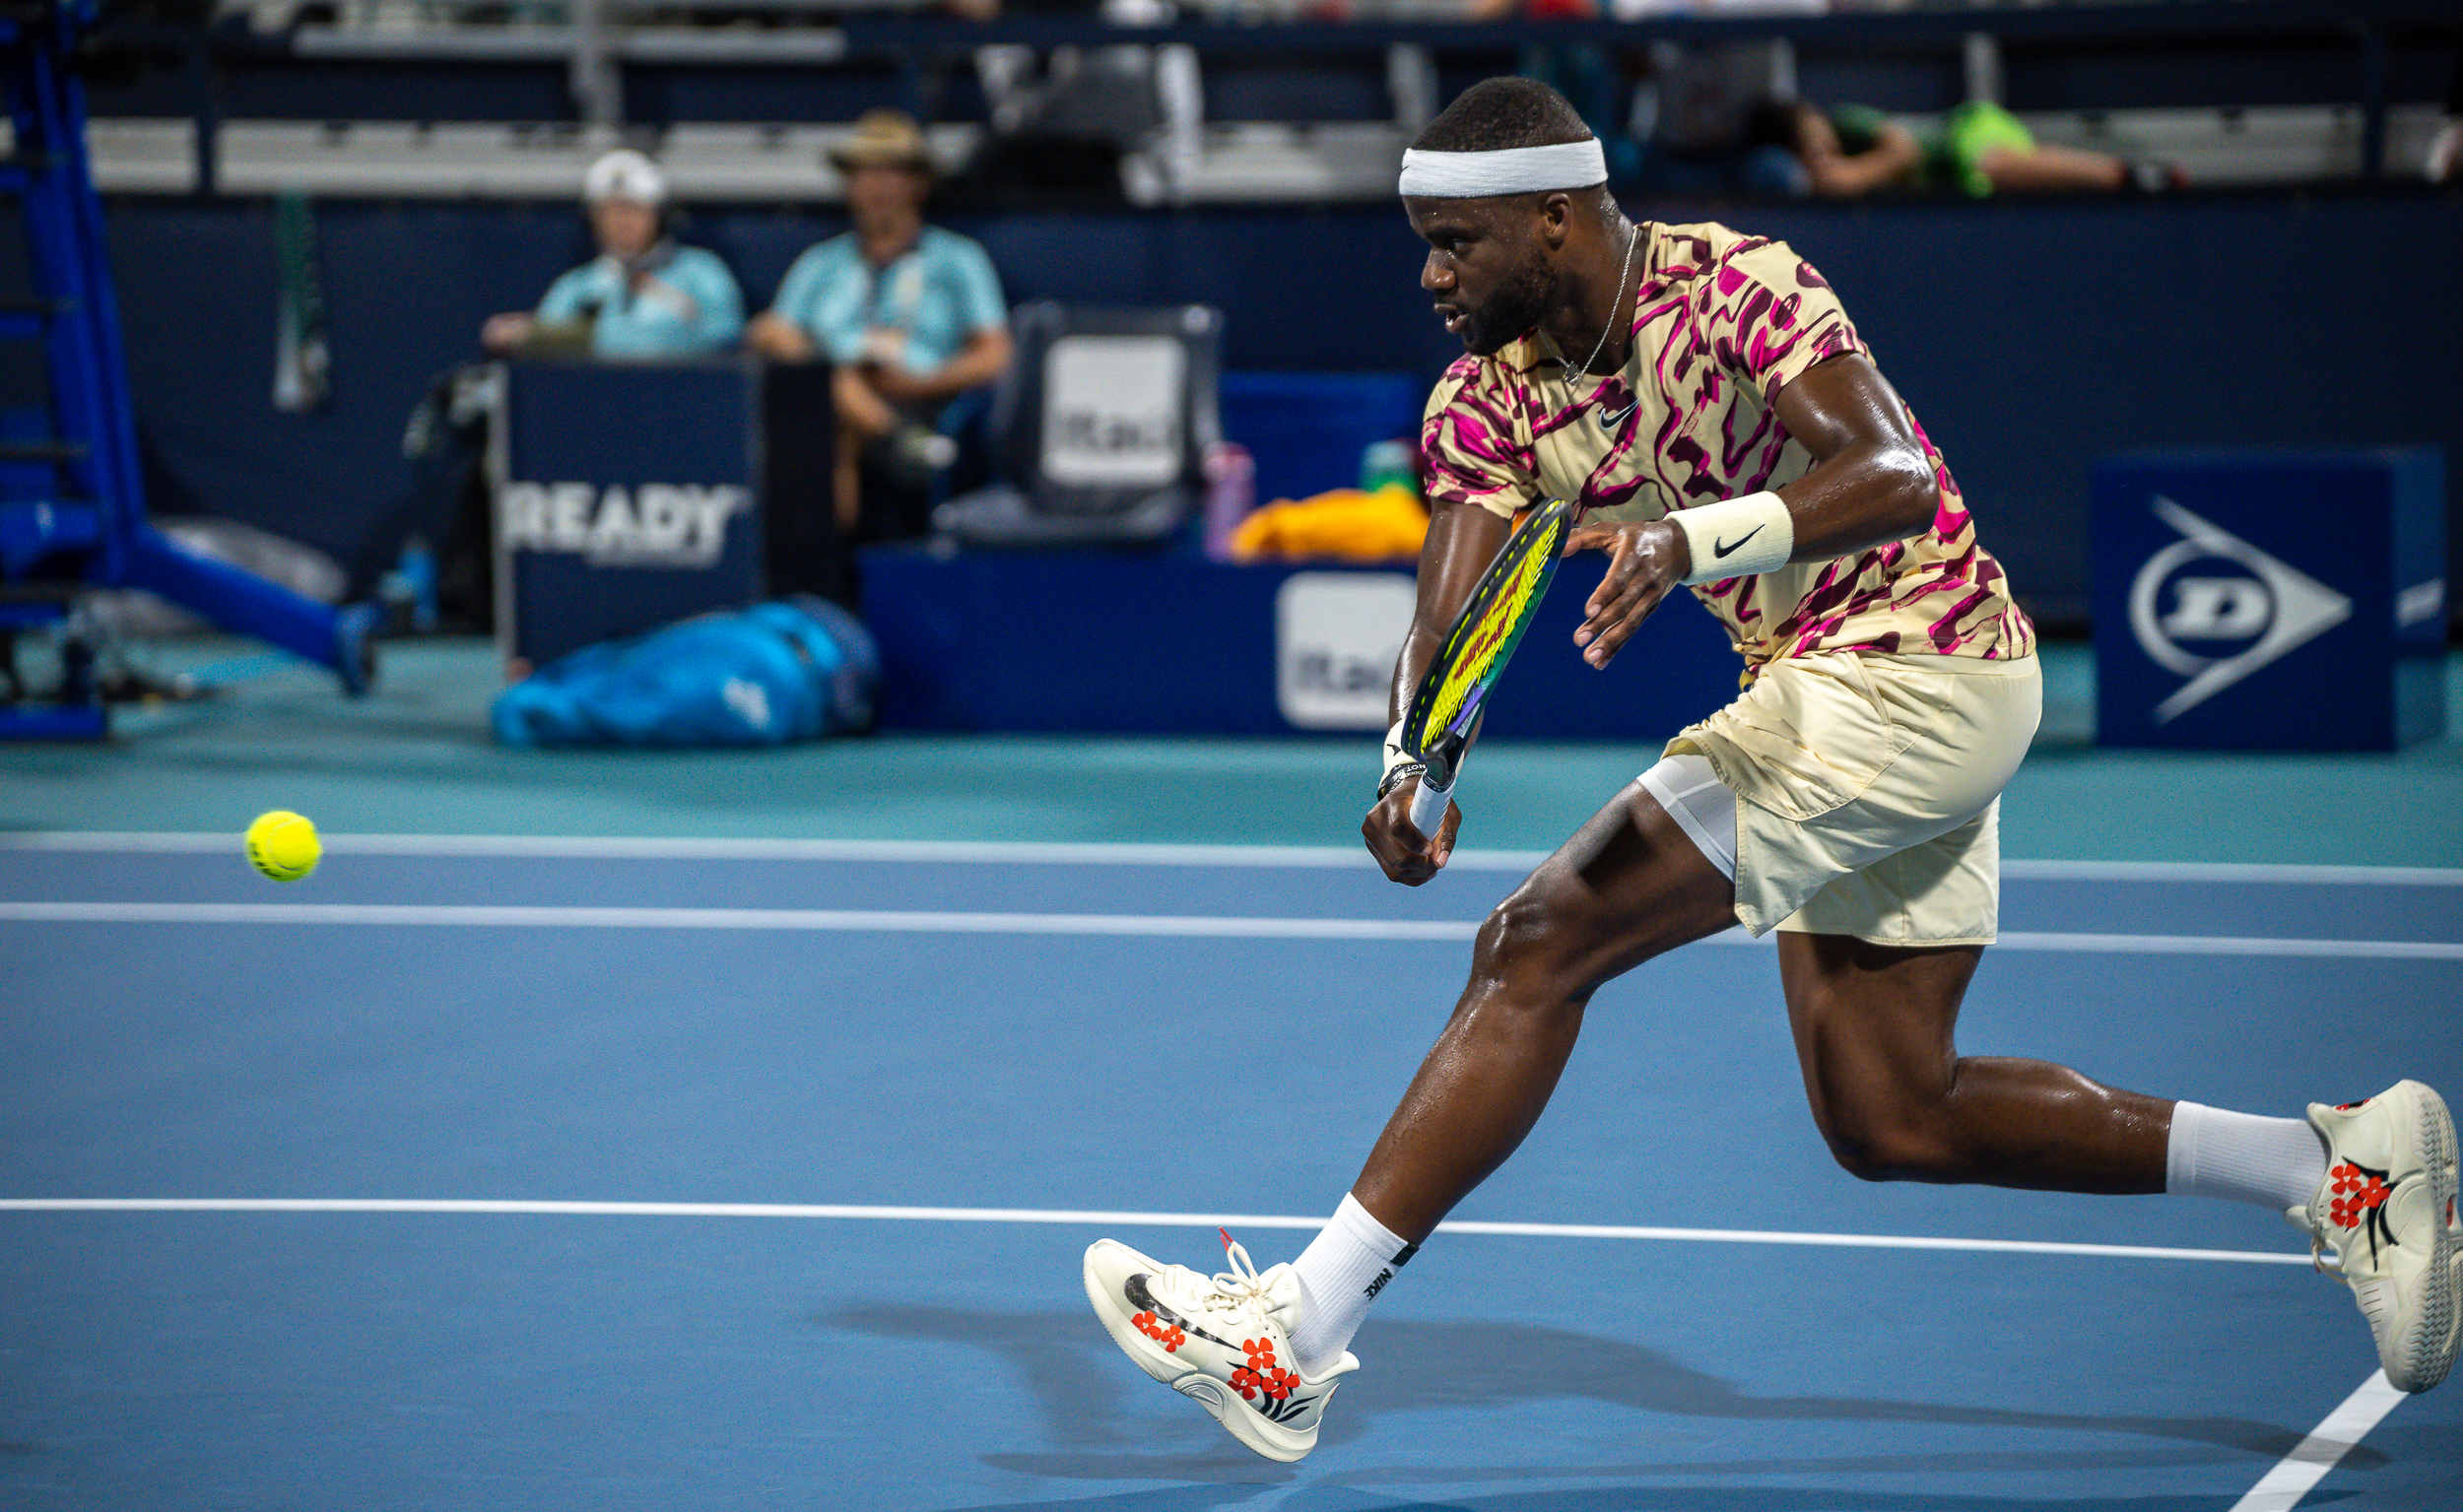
{"x": 2282, "y": 1488}
{"x": 1101, "y": 1218}
{"x": 860, "y": 920}
{"x": 1129, "y": 925}
{"x": 625, "y": 847}
{"x": 1059, "y": 853}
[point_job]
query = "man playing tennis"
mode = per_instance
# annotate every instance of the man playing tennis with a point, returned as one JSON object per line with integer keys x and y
{"x": 1728, "y": 431}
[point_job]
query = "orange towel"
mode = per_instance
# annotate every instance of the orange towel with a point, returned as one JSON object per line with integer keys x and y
{"x": 1382, "y": 526}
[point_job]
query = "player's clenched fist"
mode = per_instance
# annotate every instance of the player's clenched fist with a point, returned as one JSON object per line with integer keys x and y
{"x": 1408, "y": 856}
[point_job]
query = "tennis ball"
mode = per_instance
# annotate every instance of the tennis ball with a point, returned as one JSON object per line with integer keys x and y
{"x": 283, "y": 845}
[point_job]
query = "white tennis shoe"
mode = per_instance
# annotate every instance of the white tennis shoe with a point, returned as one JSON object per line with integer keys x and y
{"x": 2384, "y": 1220}
{"x": 1223, "y": 1340}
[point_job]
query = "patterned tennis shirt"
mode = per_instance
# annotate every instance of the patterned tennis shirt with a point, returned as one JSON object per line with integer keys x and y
{"x": 1722, "y": 324}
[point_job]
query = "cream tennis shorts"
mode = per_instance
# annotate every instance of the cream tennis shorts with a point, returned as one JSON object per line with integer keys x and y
{"x": 1868, "y": 792}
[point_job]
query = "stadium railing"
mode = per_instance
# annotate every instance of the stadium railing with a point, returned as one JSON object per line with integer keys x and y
{"x": 740, "y": 96}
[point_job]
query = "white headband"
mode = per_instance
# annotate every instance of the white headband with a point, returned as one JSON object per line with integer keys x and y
{"x": 1509, "y": 170}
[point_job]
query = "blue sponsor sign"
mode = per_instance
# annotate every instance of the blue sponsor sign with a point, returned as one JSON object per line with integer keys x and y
{"x": 626, "y": 498}
{"x": 1120, "y": 642}
{"x": 2269, "y": 600}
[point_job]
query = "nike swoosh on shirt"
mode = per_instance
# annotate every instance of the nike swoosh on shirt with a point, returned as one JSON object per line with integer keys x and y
{"x": 1723, "y": 549}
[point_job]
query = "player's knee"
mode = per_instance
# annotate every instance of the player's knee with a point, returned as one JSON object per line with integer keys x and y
{"x": 1874, "y": 1143}
{"x": 1525, "y": 941}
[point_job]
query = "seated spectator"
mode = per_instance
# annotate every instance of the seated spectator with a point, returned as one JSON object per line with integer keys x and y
{"x": 1851, "y": 151}
{"x": 644, "y": 297}
{"x": 911, "y": 315}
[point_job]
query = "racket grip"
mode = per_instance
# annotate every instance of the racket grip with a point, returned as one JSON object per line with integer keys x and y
{"x": 1427, "y": 807}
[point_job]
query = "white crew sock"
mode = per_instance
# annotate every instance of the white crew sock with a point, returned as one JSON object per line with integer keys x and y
{"x": 2275, "y": 1162}
{"x": 1340, "y": 1274}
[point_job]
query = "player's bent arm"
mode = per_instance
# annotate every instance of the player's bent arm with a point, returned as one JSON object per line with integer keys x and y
{"x": 1870, "y": 483}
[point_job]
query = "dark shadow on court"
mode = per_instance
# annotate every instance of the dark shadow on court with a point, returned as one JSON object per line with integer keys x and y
{"x": 1078, "y": 1377}
{"x": 1636, "y": 1499}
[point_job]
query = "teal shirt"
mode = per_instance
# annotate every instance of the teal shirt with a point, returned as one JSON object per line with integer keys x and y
{"x": 690, "y": 306}
{"x": 939, "y": 292}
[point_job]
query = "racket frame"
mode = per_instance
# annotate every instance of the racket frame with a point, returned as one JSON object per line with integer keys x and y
{"x": 1543, "y": 529}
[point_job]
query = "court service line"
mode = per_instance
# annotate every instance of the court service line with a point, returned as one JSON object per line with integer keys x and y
{"x": 1125, "y": 925}
{"x": 2280, "y": 1489}
{"x": 1123, "y": 1220}
{"x": 1069, "y": 853}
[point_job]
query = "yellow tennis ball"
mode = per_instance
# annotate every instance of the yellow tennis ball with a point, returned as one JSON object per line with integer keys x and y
{"x": 283, "y": 845}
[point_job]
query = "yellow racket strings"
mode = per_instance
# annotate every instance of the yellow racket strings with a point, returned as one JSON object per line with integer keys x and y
{"x": 1484, "y": 642}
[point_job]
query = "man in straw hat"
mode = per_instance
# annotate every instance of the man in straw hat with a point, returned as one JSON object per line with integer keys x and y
{"x": 1703, "y": 396}
{"x": 911, "y": 315}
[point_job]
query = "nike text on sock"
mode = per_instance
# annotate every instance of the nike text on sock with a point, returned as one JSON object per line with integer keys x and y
{"x": 1340, "y": 1274}
{"x": 2275, "y": 1162}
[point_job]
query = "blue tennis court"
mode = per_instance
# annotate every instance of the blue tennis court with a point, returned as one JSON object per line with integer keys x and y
{"x": 754, "y": 1174}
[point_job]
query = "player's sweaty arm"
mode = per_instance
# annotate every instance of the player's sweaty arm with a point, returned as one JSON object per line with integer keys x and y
{"x": 1869, "y": 484}
{"x": 1463, "y": 539}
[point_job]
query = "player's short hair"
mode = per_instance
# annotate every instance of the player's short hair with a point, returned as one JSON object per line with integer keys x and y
{"x": 1498, "y": 114}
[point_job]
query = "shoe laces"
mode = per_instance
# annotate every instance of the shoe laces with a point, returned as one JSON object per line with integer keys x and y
{"x": 2325, "y": 1258}
{"x": 2325, "y": 1261}
{"x": 1236, "y": 1290}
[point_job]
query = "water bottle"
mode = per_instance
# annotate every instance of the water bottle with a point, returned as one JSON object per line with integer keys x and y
{"x": 1231, "y": 495}
{"x": 1388, "y": 464}
{"x": 419, "y": 576}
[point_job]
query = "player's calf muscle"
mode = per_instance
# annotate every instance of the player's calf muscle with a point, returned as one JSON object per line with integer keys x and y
{"x": 1994, "y": 1121}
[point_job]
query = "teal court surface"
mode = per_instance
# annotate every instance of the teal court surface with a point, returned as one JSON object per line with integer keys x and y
{"x": 724, "y": 1130}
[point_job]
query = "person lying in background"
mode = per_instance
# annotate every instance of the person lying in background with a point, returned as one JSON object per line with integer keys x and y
{"x": 1851, "y": 151}
{"x": 645, "y": 296}
{"x": 911, "y": 315}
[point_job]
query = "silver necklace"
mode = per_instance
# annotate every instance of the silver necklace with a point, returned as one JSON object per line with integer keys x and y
{"x": 1633, "y": 233}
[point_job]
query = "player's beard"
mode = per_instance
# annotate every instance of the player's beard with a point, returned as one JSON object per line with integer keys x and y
{"x": 1513, "y": 309}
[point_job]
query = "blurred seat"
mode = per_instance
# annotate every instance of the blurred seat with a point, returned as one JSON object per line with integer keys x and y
{"x": 1099, "y": 431}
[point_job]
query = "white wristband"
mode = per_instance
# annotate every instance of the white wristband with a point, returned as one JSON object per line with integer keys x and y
{"x": 1737, "y": 537}
{"x": 1395, "y": 756}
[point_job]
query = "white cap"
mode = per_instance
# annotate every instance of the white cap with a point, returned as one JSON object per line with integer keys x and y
{"x": 625, "y": 174}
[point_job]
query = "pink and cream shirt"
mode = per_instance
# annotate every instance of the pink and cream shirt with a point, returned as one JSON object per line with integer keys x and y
{"x": 1723, "y": 322}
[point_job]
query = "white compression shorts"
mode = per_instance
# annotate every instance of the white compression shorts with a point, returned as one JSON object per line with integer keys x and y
{"x": 1700, "y": 803}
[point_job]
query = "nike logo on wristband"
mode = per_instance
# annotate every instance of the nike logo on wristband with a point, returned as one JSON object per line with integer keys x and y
{"x": 1720, "y": 548}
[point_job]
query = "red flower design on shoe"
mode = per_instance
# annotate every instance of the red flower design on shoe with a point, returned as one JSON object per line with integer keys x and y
{"x": 1144, "y": 1323}
{"x": 1260, "y": 1354}
{"x": 1283, "y": 1382}
{"x": 1172, "y": 1338}
{"x": 2354, "y": 1192}
{"x": 1246, "y": 1383}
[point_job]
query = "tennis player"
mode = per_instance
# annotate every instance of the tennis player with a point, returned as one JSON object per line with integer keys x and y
{"x": 1703, "y": 396}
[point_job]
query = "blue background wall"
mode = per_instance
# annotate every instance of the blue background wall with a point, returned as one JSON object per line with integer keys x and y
{"x": 2031, "y": 338}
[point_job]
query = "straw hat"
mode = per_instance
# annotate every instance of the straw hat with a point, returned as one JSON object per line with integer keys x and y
{"x": 883, "y": 139}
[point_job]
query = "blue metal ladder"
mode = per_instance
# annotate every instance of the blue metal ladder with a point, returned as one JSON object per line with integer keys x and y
{"x": 93, "y": 532}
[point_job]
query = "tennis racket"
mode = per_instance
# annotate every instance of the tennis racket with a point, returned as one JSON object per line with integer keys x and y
{"x": 1452, "y": 693}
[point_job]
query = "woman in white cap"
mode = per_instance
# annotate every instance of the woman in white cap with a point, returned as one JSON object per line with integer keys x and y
{"x": 645, "y": 296}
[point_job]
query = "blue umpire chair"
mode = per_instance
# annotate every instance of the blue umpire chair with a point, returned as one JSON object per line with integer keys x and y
{"x": 83, "y": 526}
